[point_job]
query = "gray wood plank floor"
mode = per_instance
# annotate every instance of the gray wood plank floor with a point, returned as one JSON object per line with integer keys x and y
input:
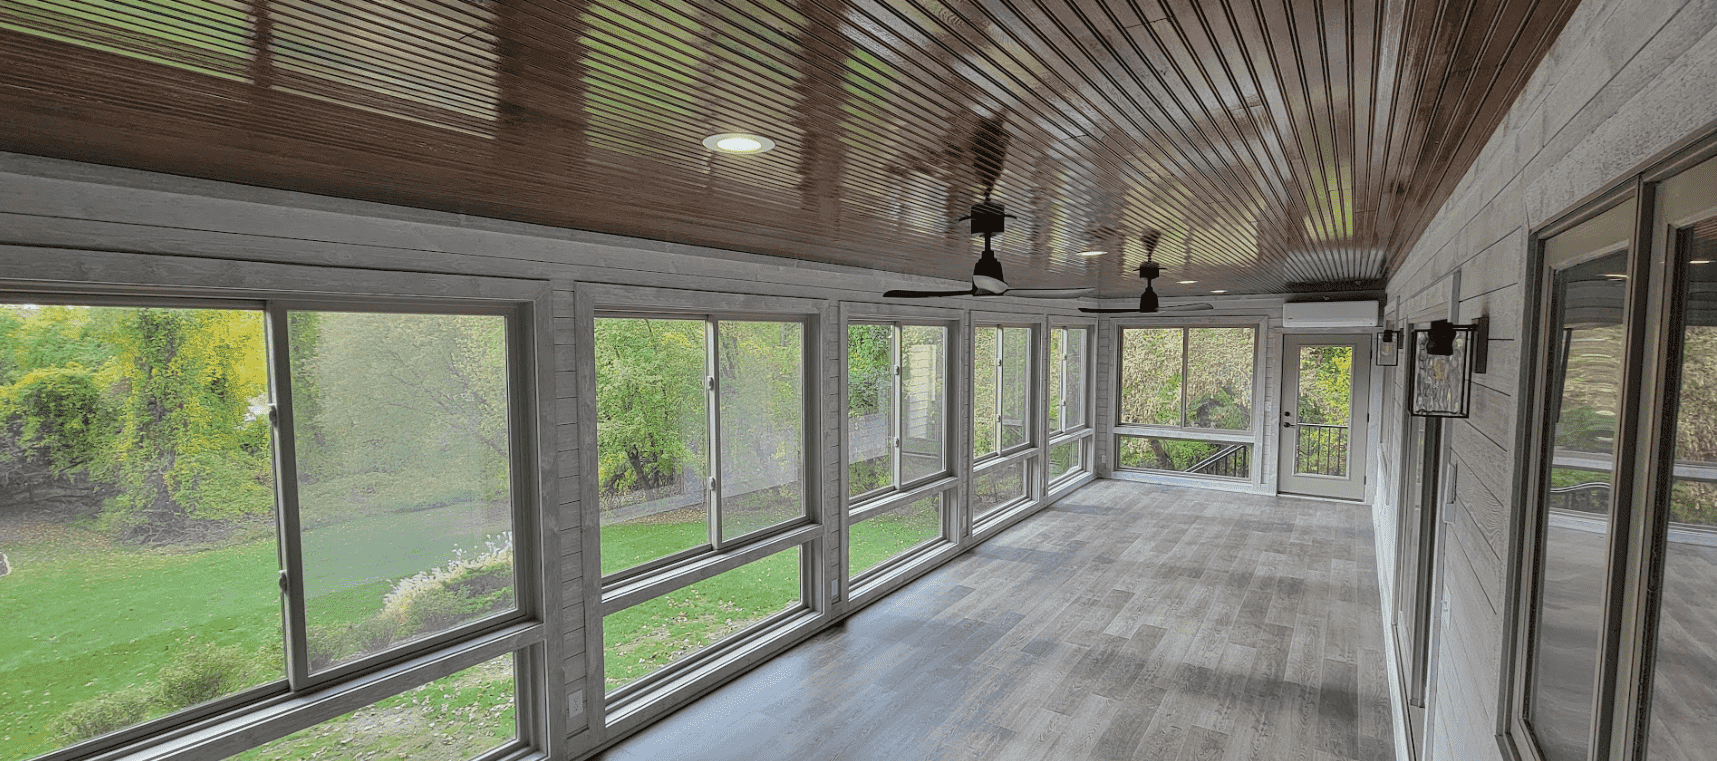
{"x": 1126, "y": 621}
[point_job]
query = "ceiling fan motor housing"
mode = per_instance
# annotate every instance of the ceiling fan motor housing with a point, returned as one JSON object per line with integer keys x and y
{"x": 988, "y": 219}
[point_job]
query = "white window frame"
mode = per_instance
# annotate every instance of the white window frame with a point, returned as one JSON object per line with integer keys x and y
{"x": 1252, "y": 435}
{"x": 1084, "y": 435}
{"x": 303, "y": 700}
{"x": 645, "y": 699}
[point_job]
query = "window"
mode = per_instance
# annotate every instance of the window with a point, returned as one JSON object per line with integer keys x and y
{"x": 699, "y": 433}
{"x": 1069, "y": 389}
{"x": 1001, "y": 373}
{"x": 1197, "y": 378}
{"x": 897, "y": 387}
{"x": 1186, "y": 400}
{"x": 701, "y": 463}
{"x": 1616, "y": 550}
{"x": 896, "y": 400}
{"x": 178, "y": 469}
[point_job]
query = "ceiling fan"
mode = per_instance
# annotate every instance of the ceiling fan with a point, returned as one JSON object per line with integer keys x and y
{"x": 988, "y": 220}
{"x": 987, "y": 148}
{"x": 1150, "y": 270}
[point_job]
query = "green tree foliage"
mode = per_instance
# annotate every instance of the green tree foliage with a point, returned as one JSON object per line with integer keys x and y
{"x": 651, "y": 406}
{"x": 399, "y": 411}
{"x": 1326, "y": 385}
{"x": 188, "y": 444}
{"x": 1217, "y": 378}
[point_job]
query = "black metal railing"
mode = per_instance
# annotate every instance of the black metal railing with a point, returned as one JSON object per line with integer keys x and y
{"x": 1589, "y": 497}
{"x": 1233, "y": 461}
{"x": 1322, "y": 450}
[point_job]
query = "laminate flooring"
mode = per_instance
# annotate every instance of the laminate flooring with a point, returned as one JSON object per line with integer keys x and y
{"x": 1126, "y": 621}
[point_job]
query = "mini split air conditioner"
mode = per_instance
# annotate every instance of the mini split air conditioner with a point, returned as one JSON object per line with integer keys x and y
{"x": 1330, "y": 314}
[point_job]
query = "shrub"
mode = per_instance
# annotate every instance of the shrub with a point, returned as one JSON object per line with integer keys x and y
{"x": 201, "y": 674}
{"x": 101, "y": 715}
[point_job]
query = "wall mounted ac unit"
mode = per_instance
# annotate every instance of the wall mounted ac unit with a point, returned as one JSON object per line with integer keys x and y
{"x": 1330, "y": 314}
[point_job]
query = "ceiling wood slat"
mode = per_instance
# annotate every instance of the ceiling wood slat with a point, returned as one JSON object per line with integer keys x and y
{"x": 1275, "y": 145}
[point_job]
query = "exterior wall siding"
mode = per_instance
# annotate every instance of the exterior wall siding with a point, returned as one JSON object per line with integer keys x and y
{"x": 1627, "y": 81}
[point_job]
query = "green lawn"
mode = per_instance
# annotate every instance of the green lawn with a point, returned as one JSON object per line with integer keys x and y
{"x": 86, "y": 618}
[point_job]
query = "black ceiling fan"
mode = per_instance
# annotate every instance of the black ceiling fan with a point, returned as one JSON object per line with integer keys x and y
{"x": 987, "y": 148}
{"x": 988, "y": 220}
{"x": 1150, "y": 270}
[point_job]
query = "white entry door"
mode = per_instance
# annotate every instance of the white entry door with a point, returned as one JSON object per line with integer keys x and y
{"x": 1325, "y": 396}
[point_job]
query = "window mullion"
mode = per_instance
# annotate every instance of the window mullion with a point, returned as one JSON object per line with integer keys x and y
{"x": 286, "y": 496}
{"x": 897, "y": 416}
{"x": 712, "y": 391}
{"x": 1185, "y": 345}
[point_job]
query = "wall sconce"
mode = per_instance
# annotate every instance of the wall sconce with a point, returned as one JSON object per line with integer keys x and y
{"x": 1387, "y": 351}
{"x": 1445, "y": 356}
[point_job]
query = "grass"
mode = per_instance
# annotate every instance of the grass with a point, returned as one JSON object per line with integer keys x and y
{"x": 450, "y": 719}
{"x": 887, "y": 536}
{"x": 652, "y": 634}
{"x": 86, "y": 618}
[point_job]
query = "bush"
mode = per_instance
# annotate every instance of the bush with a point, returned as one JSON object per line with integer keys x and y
{"x": 201, "y": 674}
{"x": 100, "y": 715}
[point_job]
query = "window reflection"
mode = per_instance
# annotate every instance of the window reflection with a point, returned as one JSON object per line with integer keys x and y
{"x": 1684, "y": 686}
{"x": 1586, "y": 383}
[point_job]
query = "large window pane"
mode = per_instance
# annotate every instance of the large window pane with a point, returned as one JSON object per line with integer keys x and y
{"x": 889, "y": 534}
{"x": 1057, "y": 367}
{"x": 1066, "y": 459}
{"x": 651, "y": 448}
{"x": 1205, "y": 458}
{"x": 457, "y": 717}
{"x": 923, "y": 394}
{"x": 1586, "y": 385}
{"x": 870, "y": 407}
{"x": 1684, "y": 686}
{"x": 985, "y": 377}
{"x": 642, "y": 639}
{"x": 403, "y": 448}
{"x": 1016, "y": 379}
{"x": 138, "y": 562}
{"x": 1073, "y": 392}
{"x": 1151, "y": 376}
{"x": 997, "y": 487}
{"x": 761, "y": 378}
{"x": 1219, "y": 378}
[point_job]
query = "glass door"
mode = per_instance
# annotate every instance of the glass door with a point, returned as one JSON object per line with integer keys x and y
{"x": 1325, "y": 384}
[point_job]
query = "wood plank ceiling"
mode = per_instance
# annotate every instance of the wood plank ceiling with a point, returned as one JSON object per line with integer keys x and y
{"x": 1277, "y": 145}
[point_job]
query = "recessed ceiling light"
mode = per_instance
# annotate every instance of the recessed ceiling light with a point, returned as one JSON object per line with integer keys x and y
{"x": 1100, "y": 253}
{"x": 738, "y": 142}
{"x": 1188, "y": 282}
{"x": 1220, "y": 290}
{"x": 1699, "y": 261}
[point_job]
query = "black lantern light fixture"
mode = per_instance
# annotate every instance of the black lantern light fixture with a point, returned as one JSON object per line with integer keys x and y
{"x": 1387, "y": 352}
{"x": 1445, "y": 356}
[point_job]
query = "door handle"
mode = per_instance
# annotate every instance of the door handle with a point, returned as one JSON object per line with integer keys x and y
{"x": 1286, "y": 424}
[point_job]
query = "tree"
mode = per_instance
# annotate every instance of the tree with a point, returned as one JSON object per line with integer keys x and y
{"x": 651, "y": 408}
{"x": 189, "y": 444}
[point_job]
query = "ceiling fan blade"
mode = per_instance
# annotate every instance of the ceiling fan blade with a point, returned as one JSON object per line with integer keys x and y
{"x": 1050, "y": 293}
{"x": 1185, "y": 308}
{"x": 1108, "y": 311}
{"x": 924, "y": 294}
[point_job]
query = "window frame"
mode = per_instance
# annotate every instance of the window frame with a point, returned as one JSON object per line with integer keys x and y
{"x": 1640, "y": 514}
{"x": 897, "y": 410}
{"x": 1033, "y": 409}
{"x": 1083, "y": 437}
{"x": 1253, "y": 435}
{"x": 635, "y": 703}
{"x": 300, "y": 700}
